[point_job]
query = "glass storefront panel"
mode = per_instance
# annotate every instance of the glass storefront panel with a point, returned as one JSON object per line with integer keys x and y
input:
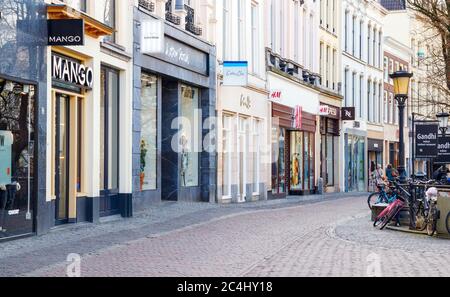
{"x": 296, "y": 160}
{"x": 256, "y": 154}
{"x": 109, "y": 142}
{"x": 278, "y": 157}
{"x": 355, "y": 163}
{"x": 109, "y": 130}
{"x": 17, "y": 194}
{"x": 227, "y": 155}
{"x": 328, "y": 158}
{"x": 189, "y": 134}
{"x": 148, "y": 147}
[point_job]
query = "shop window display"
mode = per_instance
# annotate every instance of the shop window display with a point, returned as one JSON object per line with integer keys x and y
{"x": 16, "y": 158}
{"x": 148, "y": 146}
{"x": 188, "y": 137}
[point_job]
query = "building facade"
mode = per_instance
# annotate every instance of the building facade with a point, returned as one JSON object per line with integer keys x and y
{"x": 330, "y": 63}
{"x": 23, "y": 85}
{"x": 174, "y": 96}
{"x": 362, "y": 45}
{"x": 292, "y": 63}
{"x": 243, "y": 170}
{"x": 89, "y": 169}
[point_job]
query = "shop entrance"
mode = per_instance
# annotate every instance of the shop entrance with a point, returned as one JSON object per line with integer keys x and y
{"x": 62, "y": 124}
{"x": 109, "y": 143}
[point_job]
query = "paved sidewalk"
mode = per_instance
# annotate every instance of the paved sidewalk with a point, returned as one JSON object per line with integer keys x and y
{"x": 25, "y": 255}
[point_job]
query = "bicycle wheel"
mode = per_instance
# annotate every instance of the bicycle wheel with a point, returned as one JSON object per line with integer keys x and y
{"x": 379, "y": 221}
{"x": 421, "y": 218}
{"x": 374, "y": 198}
{"x": 390, "y": 217}
{"x": 432, "y": 222}
{"x": 447, "y": 223}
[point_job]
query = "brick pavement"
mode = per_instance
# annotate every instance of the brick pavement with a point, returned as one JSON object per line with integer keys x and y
{"x": 329, "y": 238}
{"x": 229, "y": 247}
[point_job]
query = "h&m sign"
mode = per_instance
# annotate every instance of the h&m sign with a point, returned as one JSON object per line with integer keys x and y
{"x": 72, "y": 72}
{"x": 65, "y": 32}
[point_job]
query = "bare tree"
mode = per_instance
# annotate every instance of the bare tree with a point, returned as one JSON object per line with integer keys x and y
{"x": 433, "y": 94}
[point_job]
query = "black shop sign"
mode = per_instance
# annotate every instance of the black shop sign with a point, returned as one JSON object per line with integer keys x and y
{"x": 443, "y": 149}
{"x": 65, "y": 32}
{"x": 71, "y": 73}
{"x": 348, "y": 114}
{"x": 427, "y": 140}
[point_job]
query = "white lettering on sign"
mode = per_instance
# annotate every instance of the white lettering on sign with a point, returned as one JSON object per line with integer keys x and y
{"x": 177, "y": 54}
{"x": 65, "y": 39}
{"x": 431, "y": 136}
{"x": 14, "y": 212}
{"x": 72, "y": 72}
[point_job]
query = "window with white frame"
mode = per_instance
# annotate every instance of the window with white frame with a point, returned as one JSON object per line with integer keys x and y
{"x": 297, "y": 31}
{"x": 255, "y": 39}
{"x": 386, "y": 107}
{"x": 346, "y": 31}
{"x": 311, "y": 42}
{"x": 257, "y": 128}
{"x": 369, "y": 45}
{"x": 361, "y": 106}
{"x": 241, "y": 29}
{"x": 369, "y": 100}
{"x": 81, "y": 5}
{"x": 353, "y": 35}
{"x": 227, "y": 140}
{"x": 226, "y": 29}
{"x": 386, "y": 69}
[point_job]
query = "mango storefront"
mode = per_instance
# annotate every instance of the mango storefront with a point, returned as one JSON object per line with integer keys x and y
{"x": 89, "y": 168}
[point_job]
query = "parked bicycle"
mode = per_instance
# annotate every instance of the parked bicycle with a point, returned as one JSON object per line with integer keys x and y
{"x": 382, "y": 196}
{"x": 393, "y": 209}
{"x": 433, "y": 213}
{"x": 421, "y": 203}
{"x": 447, "y": 223}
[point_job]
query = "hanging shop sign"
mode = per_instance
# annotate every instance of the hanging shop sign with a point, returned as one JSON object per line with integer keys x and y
{"x": 152, "y": 36}
{"x": 375, "y": 145}
{"x": 71, "y": 72}
{"x": 298, "y": 120}
{"x": 443, "y": 152}
{"x": 329, "y": 111}
{"x": 65, "y": 32}
{"x": 235, "y": 73}
{"x": 426, "y": 140}
{"x": 348, "y": 114}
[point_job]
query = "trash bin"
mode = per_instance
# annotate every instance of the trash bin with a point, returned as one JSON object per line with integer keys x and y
{"x": 443, "y": 205}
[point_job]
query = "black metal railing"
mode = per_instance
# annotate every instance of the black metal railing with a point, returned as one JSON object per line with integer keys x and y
{"x": 170, "y": 16}
{"x": 173, "y": 18}
{"x": 190, "y": 21}
{"x": 148, "y": 5}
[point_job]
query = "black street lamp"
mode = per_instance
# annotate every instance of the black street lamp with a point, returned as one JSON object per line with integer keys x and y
{"x": 401, "y": 89}
{"x": 443, "y": 121}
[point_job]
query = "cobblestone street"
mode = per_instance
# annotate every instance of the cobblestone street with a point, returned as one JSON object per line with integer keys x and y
{"x": 318, "y": 236}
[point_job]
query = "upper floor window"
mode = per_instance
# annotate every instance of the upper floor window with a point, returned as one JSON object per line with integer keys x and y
{"x": 81, "y": 5}
{"x": 107, "y": 15}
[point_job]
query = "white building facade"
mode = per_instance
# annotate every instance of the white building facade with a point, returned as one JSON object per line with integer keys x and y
{"x": 243, "y": 138}
{"x": 362, "y": 44}
{"x": 293, "y": 82}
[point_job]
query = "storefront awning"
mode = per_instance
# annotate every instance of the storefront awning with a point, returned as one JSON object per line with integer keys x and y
{"x": 93, "y": 27}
